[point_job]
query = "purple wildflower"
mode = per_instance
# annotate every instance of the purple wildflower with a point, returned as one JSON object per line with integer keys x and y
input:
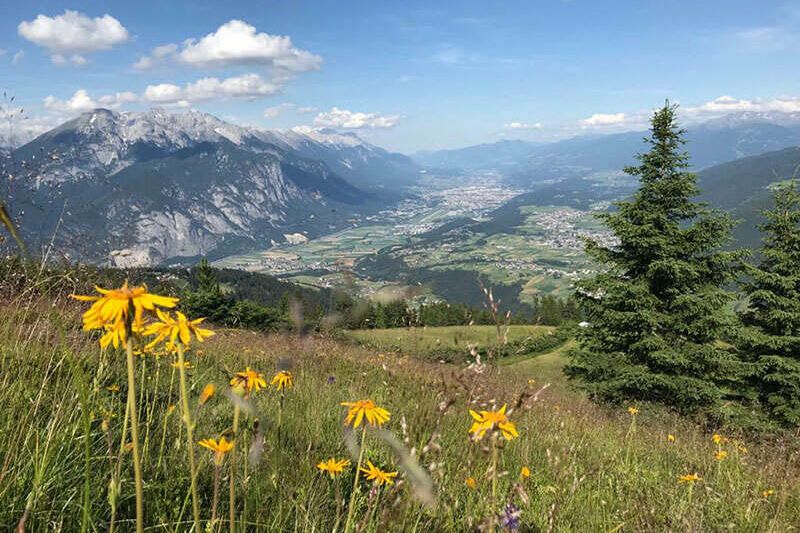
{"x": 509, "y": 519}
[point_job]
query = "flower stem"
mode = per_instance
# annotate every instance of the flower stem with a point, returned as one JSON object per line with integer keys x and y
{"x": 166, "y": 417}
{"x": 232, "y": 480}
{"x": 114, "y": 485}
{"x": 280, "y": 420}
{"x": 351, "y": 507}
{"x": 187, "y": 420}
{"x": 215, "y": 500}
{"x": 137, "y": 467}
{"x": 146, "y": 445}
{"x": 494, "y": 482}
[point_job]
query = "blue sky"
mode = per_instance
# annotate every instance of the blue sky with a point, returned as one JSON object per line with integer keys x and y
{"x": 405, "y": 75}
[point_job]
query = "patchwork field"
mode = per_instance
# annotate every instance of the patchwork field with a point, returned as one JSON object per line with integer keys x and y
{"x": 536, "y": 249}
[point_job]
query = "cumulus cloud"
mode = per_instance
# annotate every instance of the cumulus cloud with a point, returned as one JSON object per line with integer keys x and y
{"x": 81, "y": 102}
{"x": 72, "y": 34}
{"x": 245, "y": 87}
{"x": 729, "y": 104}
{"x": 784, "y": 107}
{"x": 604, "y": 119}
{"x": 235, "y": 43}
{"x": 344, "y": 119}
{"x": 158, "y": 55}
{"x": 523, "y": 126}
{"x": 27, "y": 127}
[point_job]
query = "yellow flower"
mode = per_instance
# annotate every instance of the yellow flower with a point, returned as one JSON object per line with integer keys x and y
{"x": 633, "y": 411}
{"x": 376, "y": 416}
{"x": 489, "y": 420}
{"x": 114, "y": 305}
{"x": 282, "y": 380}
{"x": 531, "y": 382}
{"x": 220, "y": 448}
{"x": 525, "y": 472}
{"x": 172, "y": 329}
{"x": 689, "y": 478}
{"x": 471, "y": 483}
{"x": 115, "y": 335}
{"x": 333, "y": 467}
{"x": 186, "y": 365}
{"x": 207, "y": 393}
{"x": 767, "y": 493}
{"x": 671, "y": 437}
{"x": 720, "y": 455}
{"x": 113, "y": 388}
{"x": 742, "y": 449}
{"x": 373, "y": 473}
{"x": 717, "y": 438}
{"x": 249, "y": 380}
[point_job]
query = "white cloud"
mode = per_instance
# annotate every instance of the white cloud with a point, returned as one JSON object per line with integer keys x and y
{"x": 344, "y": 119}
{"x": 277, "y": 110}
{"x": 70, "y": 35}
{"x": 62, "y": 60}
{"x": 163, "y": 92}
{"x": 17, "y": 57}
{"x": 523, "y": 126}
{"x": 236, "y": 43}
{"x": 158, "y": 55}
{"x": 716, "y": 108}
{"x": 604, "y": 119}
{"x": 305, "y": 110}
{"x": 117, "y": 99}
{"x": 81, "y": 102}
{"x": 27, "y": 128}
{"x": 246, "y": 87}
{"x": 729, "y": 104}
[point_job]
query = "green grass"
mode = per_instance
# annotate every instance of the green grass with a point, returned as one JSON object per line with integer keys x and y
{"x": 423, "y": 340}
{"x": 594, "y": 469}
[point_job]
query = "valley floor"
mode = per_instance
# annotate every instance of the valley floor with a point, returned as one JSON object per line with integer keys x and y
{"x": 591, "y": 468}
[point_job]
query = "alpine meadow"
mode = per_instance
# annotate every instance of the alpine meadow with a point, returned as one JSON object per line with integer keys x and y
{"x": 363, "y": 267}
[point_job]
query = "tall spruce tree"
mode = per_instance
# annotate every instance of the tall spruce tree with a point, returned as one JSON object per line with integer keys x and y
{"x": 772, "y": 320}
{"x": 658, "y": 310}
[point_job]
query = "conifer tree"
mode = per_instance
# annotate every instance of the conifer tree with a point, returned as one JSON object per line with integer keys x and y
{"x": 206, "y": 278}
{"x": 657, "y": 310}
{"x": 772, "y": 320}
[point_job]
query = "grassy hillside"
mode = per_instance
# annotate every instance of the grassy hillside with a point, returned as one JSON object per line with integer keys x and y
{"x": 423, "y": 340}
{"x": 743, "y": 188}
{"x": 62, "y": 408}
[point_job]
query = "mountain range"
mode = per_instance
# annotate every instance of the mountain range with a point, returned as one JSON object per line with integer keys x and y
{"x": 709, "y": 143}
{"x": 737, "y": 157}
{"x": 131, "y": 189}
{"x": 141, "y": 188}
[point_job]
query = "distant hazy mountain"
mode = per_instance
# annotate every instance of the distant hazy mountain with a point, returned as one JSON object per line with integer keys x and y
{"x": 743, "y": 187}
{"x": 140, "y": 188}
{"x": 714, "y": 142}
{"x": 366, "y": 166}
{"x": 499, "y": 155}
